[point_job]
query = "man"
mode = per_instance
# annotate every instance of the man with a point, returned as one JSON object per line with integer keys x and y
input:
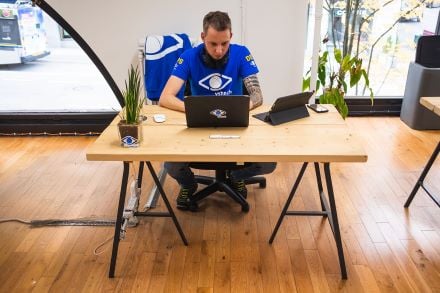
{"x": 219, "y": 68}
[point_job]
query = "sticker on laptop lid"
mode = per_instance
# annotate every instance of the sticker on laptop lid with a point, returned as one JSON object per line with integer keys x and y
{"x": 218, "y": 113}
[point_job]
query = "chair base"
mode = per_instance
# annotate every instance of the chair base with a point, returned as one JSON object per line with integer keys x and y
{"x": 219, "y": 183}
{"x": 254, "y": 180}
{"x": 206, "y": 180}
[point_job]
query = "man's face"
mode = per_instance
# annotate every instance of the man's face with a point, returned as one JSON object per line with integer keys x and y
{"x": 217, "y": 43}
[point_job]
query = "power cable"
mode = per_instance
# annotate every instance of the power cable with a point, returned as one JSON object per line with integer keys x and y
{"x": 15, "y": 220}
{"x": 62, "y": 222}
{"x": 95, "y": 251}
{"x": 72, "y": 222}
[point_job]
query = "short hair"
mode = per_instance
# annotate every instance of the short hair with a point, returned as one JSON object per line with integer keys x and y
{"x": 218, "y": 20}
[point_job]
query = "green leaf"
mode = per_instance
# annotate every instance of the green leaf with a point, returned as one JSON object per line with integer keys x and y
{"x": 338, "y": 55}
{"x": 371, "y": 96}
{"x": 324, "y": 57}
{"x": 344, "y": 84}
{"x": 335, "y": 98}
{"x": 321, "y": 75}
{"x": 367, "y": 81}
{"x": 355, "y": 76}
{"x": 344, "y": 111}
{"x": 306, "y": 84}
{"x": 323, "y": 99}
{"x": 346, "y": 63}
{"x": 132, "y": 99}
{"x": 341, "y": 105}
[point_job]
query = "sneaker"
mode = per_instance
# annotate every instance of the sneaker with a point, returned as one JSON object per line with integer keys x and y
{"x": 239, "y": 187}
{"x": 183, "y": 199}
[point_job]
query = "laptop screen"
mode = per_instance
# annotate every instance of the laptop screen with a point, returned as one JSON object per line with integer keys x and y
{"x": 217, "y": 111}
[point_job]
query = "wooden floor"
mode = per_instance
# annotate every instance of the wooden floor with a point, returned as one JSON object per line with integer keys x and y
{"x": 387, "y": 248}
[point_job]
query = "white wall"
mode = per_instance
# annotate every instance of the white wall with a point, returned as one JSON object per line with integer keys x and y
{"x": 276, "y": 35}
{"x": 274, "y": 32}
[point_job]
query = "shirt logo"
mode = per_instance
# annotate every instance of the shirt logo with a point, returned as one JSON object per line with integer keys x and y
{"x": 154, "y": 46}
{"x": 215, "y": 82}
{"x": 220, "y": 114}
{"x": 250, "y": 60}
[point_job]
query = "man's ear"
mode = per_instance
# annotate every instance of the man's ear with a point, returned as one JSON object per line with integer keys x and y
{"x": 202, "y": 35}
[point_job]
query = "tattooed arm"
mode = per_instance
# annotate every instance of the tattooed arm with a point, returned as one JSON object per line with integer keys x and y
{"x": 253, "y": 87}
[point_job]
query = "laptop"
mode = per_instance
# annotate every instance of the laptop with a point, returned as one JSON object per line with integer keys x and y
{"x": 286, "y": 109}
{"x": 217, "y": 111}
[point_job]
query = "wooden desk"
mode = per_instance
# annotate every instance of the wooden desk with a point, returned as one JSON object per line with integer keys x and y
{"x": 433, "y": 104}
{"x": 319, "y": 138}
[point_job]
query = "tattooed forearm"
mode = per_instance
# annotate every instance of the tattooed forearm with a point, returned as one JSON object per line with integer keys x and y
{"x": 253, "y": 87}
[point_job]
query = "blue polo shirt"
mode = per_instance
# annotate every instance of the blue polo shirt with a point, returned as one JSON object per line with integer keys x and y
{"x": 219, "y": 82}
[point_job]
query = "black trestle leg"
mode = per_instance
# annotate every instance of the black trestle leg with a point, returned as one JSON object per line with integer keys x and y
{"x": 422, "y": 177}
{"x": 319, "y": 182}
{"x": 334, "y": 215}
{"x": 289, "y": 199}
{"x": 167, "y": 203}
{"x": 118, "y": 224}
{"x": 141, "y": 172}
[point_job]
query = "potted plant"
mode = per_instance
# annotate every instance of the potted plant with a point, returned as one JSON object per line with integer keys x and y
{"x": 130, "y": 130}
{"x": 333, "y": 79}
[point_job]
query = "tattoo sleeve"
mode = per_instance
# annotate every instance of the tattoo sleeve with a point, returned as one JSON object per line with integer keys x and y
{"x": 253, "y": 87}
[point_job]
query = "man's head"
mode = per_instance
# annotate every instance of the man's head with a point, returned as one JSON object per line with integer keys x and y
{"x": 216, "y": 34}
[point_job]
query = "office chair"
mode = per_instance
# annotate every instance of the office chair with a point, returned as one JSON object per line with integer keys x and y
{"x": 221, "y": 182}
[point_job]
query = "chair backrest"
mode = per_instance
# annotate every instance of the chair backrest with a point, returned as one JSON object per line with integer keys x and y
{"x": 157, "y": 56}
{"x": 428, "y": 51}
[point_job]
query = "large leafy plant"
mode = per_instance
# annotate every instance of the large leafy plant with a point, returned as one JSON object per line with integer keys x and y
{"x": 132, "y": 99}
{"x": 333, "y": 79}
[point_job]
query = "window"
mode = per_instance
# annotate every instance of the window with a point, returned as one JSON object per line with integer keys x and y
{"x": 383, "y": 33}
{"x": 47, "y": 81}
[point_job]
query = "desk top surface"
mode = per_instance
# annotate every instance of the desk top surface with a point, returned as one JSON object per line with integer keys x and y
{"x": 321, "y": 137}
{"x": 432, "y": 103}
